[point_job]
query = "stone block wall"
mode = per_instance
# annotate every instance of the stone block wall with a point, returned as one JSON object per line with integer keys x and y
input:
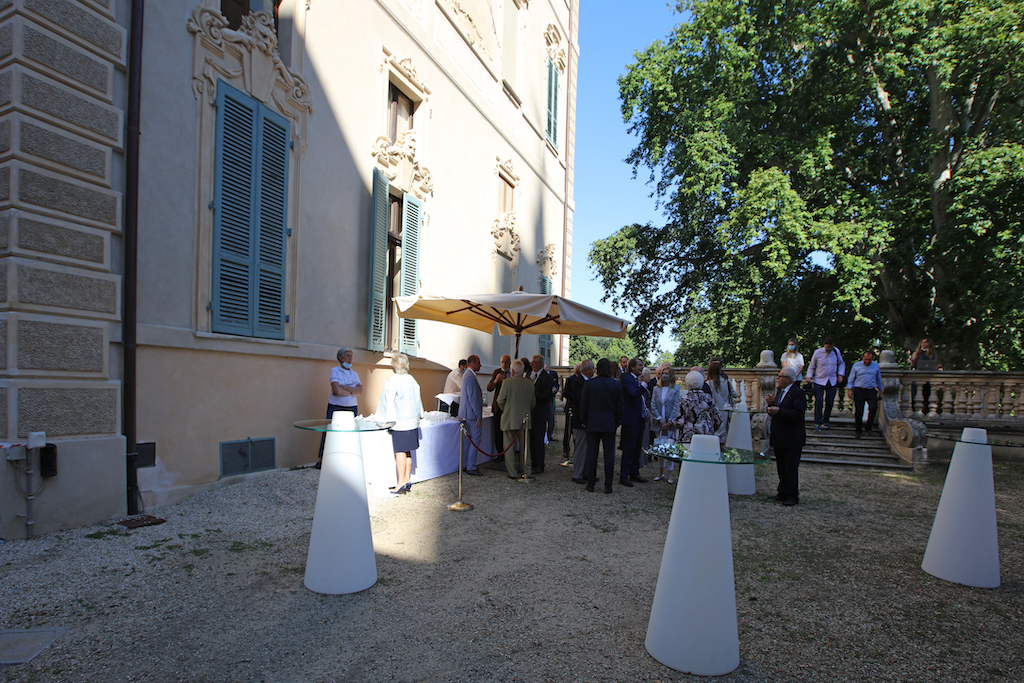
{"x": 61, "y": 136}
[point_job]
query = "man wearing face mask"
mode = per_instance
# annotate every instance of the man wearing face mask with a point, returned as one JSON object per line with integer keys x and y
{"x": 345, "y": 386}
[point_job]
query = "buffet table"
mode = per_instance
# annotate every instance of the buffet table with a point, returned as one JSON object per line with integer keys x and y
{"x": 437, "y": 455}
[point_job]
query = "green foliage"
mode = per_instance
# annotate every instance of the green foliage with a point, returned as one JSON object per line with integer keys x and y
{"x": 840, "y": 168}
{"x": 596, "y": 348}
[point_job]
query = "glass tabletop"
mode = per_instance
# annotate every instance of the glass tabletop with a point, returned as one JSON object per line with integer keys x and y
{"x": 361, "y": 426}
{"x": 1011, "y": 443}
{"x": 678, "y": 452}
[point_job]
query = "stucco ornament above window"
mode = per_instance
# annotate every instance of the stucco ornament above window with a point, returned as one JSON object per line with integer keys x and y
{"x": 553, "y": 39}
{"x": 398, "y": 162}
{"x": 505, "y": 169}
{"x": 506, "y": 239}
{"x": 249, "y": 59}
{"x": 546, "y": 266}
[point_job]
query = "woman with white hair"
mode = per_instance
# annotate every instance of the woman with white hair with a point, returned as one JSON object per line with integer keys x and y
{"x": 401, "y": 403}
{"x": 697, "y": 411}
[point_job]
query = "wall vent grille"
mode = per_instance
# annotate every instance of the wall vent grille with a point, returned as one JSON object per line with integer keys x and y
{"x": 248, "y": 455}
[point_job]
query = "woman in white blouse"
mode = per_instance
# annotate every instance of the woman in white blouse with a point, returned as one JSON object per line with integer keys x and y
{"x": 792, "y": 358}
{"x": 401, "y": 403}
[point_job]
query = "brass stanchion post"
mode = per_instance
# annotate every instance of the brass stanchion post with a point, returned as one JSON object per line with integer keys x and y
{"x": 460, "y": 506}
{"x": 527, "y": 459}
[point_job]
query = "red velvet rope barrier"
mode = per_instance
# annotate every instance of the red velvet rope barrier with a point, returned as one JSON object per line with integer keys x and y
{"x": 495, "y": 455}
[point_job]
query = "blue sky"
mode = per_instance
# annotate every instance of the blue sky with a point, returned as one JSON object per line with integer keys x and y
{"x": 607, "y": 197}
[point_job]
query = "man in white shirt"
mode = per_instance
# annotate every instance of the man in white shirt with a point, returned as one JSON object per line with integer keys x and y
{"x": 827, "y": 370}
{"x": 453, "y": 385}
{"x": 472, "y": 412}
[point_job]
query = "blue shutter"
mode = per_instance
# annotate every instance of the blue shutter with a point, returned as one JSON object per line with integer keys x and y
{"x": 412, "y": 220}
{"x": 547, "y": 341}
{"x": 552, "y": 127}
{"x": 501, "y": 345}
{"x": 234, "y": 208}
{"x": 272, "y": 194}
{"x": 378, "y": 261}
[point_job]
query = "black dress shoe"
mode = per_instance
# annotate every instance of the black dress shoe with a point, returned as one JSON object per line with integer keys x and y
{"x": 779, "y": 497}
{"x": 474, "y": 473}
{"x": 637, "y": 478}
{"x": 607, "y": 490}
{"x": 625, "y": 482}
{"x": 792, "y": 500}
{"x": 590, "y": 488}
{"x": 579, "y": 481}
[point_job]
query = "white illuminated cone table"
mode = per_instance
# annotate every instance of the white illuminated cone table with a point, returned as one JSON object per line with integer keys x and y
{"x": 340, "y": 557}
{"x": 693, "y": 619}
{"x": 740, "y": 477}
{"x": 964, "y": 546}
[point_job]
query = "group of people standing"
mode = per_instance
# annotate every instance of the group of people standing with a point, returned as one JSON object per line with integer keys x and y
{"x": 643, "y": 407}
{"x": 603, "y": 399}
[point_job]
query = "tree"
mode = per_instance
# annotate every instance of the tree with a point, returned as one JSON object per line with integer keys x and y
{"x": 596, "y": 348}
{"x": 844, "y": 168}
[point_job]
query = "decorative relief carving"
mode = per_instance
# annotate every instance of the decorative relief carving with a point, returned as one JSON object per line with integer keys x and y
{"x": 506, "y": 239}
{"x": 250, "y": 55}
{"x": 468, "y": 26}
{"x": 906, "y": 437}
{"x": 398, "y": 162}
{"x": 505, "y": 169}
{"x": 553, "y": 40}
{"x": 546, "y": 265}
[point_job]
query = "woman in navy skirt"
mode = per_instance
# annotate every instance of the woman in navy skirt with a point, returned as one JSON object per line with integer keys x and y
{"x": 401, "y": 403}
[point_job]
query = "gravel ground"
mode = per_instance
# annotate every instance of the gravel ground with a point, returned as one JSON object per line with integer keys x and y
{"x": 539, "y": 582}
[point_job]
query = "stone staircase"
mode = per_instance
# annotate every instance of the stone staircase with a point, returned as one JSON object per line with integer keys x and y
{"x": 839, "y": 447}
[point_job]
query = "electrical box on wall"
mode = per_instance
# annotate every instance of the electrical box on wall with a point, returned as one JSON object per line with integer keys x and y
{"x": 15, "y": 452}
{"x": 145, "y": 454}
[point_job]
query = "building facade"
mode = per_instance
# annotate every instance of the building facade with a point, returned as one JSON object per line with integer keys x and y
{"x": 301, "y": 163}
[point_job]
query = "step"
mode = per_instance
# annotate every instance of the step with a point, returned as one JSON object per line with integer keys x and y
{"x": 889, "y": 465}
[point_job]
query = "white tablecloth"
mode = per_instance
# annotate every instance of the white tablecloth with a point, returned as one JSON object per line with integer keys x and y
{"x": 437, "y": 455}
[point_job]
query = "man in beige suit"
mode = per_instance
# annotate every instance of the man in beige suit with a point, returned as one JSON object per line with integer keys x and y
{"x": 516, "y": 400}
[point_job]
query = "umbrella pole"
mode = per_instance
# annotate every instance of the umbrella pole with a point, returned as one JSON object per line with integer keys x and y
{"x": 460, "y": 506}
{"x": 518, "y": 335}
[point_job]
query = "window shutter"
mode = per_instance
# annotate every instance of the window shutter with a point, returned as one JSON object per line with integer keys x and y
{"x": 378, "y": 261}
{"x": 412, "y": 220}
{"x": 501, "y": 345}
{"x": 552, "y": 127}
{"x": 234, "y": 207}
{"x": 272, "y": 194}
{"x": 547, "y": 341}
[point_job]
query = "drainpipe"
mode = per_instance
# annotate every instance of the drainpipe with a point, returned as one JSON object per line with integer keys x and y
{"x": 131, "y": 255}
{"x": 565, "y": 194}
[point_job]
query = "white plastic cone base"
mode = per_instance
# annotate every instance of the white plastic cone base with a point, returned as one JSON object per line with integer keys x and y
{"x": 964, "y": 546}
{"x": 740, "y": 477}
{"x": 693, "y": 619}
{"x": 340, "y": 558}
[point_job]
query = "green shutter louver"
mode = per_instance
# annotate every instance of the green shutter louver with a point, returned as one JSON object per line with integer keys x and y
{"x": 250, "y": 220}
{"x": 412, "y": 221}
{"x": 378, "y": 262}
{"x": 552, "y": 120}
{"x": 234, "y": 210}
{"x": 547, "y": 341}
{"x": 272, "y": 203}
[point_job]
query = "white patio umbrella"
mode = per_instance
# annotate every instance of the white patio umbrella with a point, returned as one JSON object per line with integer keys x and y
{"x": 514, "y": 313}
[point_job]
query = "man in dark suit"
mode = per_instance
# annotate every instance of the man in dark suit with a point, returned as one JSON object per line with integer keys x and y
{"x": 633, "y": 423}
{"x": 600, "y": 414}
{"x": 542, "y": 411}
{"x": 788, "y": 436}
